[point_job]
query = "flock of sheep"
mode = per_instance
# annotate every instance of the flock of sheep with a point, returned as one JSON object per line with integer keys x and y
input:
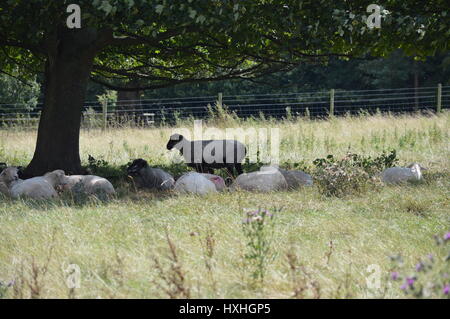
{"x": 47, "y": 186}
{"x": 203, "y": 155}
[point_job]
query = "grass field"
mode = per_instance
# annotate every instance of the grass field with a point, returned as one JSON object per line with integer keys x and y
{"x": 150, "y": 245}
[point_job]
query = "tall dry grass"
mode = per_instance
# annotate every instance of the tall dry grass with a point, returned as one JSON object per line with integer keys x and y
{"x": 144, "y": 245}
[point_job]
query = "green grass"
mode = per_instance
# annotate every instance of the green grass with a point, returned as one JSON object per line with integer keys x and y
{"x": 122, "y": 247}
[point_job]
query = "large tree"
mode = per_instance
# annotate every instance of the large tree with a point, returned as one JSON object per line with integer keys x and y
{"x": 150, "y": 44}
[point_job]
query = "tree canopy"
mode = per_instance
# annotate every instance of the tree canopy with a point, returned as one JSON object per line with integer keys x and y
{"x": 153, "y": 44}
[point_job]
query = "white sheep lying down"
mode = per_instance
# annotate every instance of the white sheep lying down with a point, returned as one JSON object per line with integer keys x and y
{"x": 396, "y": 175}
{"x": 4, "y": 190}
{"x": 41, "y": 187}
{"x": 218, "y": 181}
{"x": 7, "y": 176}
{"x": 272, "y": 178}
{"x": 267, "y": 179}
{"x": 90, "y": 184}
{"x": 296, "y": 179}
{"x": 44, "y": 187}
{"x": 195, "y": 183}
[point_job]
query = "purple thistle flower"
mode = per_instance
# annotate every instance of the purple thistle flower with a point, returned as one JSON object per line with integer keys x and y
{"x": 419, "y": 266}
{"x": 394, "y": 275}
{"x": 430, "y": 257}
{"x": 403, "y": 287}
{"x": 447, "y": 236}
{"x": 446, "y": 289}
{"x": 410, "y": 281}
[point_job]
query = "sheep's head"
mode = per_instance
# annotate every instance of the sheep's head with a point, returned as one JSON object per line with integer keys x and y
{"x": 136, "y": 166}
{"x": 417, "y": 166}
{"x": 416, "y": 169}
{"x": 9, "y": 175}
{"x": 174, "y": 140}
{"x": 57, "y": 177}
{"x": 218, "y": 182}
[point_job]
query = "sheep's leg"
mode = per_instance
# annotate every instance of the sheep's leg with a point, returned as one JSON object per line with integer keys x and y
{"x": 239, "y": 168}
{"x": 230, "y": 170}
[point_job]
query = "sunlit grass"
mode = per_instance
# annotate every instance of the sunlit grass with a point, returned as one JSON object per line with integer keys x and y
{"x": 117, "y": 244}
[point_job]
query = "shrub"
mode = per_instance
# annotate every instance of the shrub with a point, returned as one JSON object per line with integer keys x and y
{"x": 352, "y": 174}
{"x": 252, "y": 166}
{"x": 340, "y": 179}
{"x": 104, "y": 169}
{"x": 377, "y": 164}
{"x": 296, "y": 166}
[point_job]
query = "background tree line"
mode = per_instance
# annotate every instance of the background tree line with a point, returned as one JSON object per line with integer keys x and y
{"x": 395, "y": 71}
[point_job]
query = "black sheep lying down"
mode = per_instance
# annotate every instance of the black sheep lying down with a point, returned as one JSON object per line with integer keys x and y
{"x": 150, "y": 177}
{"x": 207, "y": 155}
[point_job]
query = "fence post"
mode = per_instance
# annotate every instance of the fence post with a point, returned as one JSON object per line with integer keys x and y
{"x": 331, "y": 102}
{"x": 219, "y": 99}
{"x": 439, "y": 98}
{"x": 105, "y": 114}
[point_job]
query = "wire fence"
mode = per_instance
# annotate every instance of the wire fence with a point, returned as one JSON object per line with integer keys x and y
{"x": 147, "y": 112}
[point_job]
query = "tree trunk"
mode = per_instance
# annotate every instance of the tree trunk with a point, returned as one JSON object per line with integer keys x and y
{"x": 67, "y": 71}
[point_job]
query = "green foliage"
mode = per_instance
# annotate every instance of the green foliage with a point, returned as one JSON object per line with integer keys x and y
{"x": 252, "y": 166}
{"x": 18, "y": 95}
{"x": 102, "y": 168}
{"x": 350, "y": 175}
{"x": 302, "y": 166}
{"x": 108, "y": 98}
{"x": 258, "y": 229}
{"x": 219, "y": 114}
{"x": 367, "y": 163}
{"x": 340, "y": 178}
{"x": 156, "y": 43}
{"x": 118, "y": 173}
{"x": 92, "y": 119}
{"x": 393, "y": 71}
{"x": 377, "y": 164}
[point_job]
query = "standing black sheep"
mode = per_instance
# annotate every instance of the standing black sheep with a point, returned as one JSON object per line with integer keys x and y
{"x": 207, "y": 155}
